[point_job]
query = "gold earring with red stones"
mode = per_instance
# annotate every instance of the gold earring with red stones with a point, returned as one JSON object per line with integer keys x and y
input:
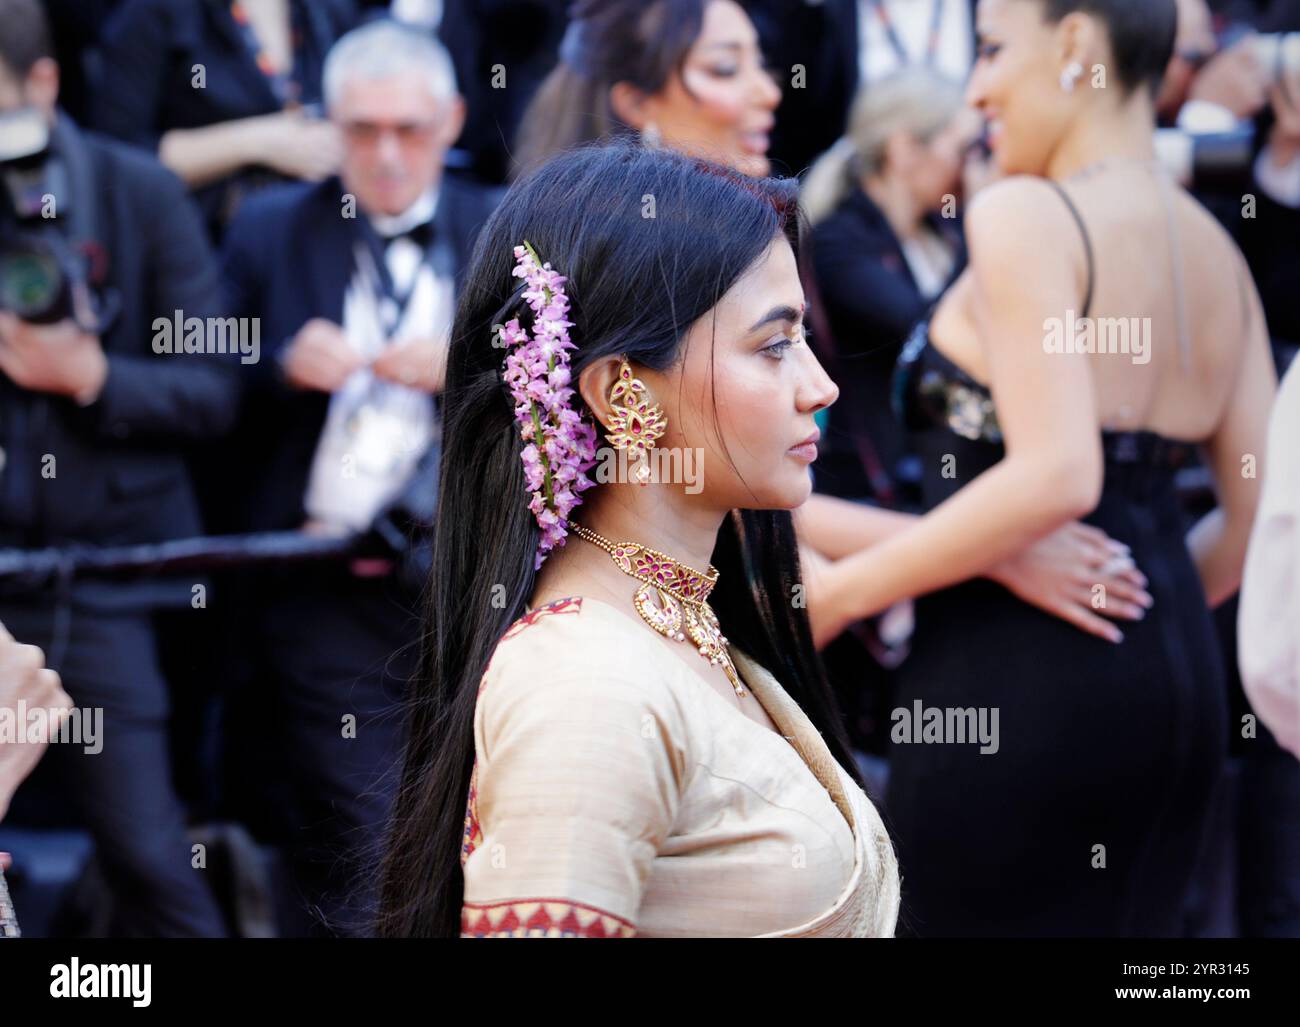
{"x": 635, "y": 422}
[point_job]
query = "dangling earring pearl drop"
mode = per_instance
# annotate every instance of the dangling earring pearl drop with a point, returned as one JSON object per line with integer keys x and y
{"x": 1070, "y": 76}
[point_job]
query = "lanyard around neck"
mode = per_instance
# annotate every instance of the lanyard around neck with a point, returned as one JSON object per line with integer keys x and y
{"x": 282, "y": 84}
{"x": 374, "y": 251}
{"x": 896, "y": 42}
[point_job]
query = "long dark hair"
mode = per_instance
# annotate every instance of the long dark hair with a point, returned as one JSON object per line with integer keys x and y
{"x": 607, "y": 41}
{"x": 636, "y": 283}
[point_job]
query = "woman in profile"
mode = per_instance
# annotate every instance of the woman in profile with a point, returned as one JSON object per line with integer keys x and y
{"x": 638, "y": 739}
{"x": 684, "y": 74}
{"x": 1088, "y": 818}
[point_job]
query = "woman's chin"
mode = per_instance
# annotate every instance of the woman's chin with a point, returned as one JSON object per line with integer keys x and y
{"x": 792, "y": 491}
{"x": 751, "y": 164}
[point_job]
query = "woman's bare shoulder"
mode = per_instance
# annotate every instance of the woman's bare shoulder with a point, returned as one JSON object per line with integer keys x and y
{"x": 1206, "y": 237}
{"x": 1016, "y": 201}
{"x": 1016, "y": 218}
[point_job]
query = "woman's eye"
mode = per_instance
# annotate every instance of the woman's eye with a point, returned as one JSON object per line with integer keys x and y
{"x": 727, "y": 71}
{"x": 988, "y": 50}
{"x": 777, "y": 349}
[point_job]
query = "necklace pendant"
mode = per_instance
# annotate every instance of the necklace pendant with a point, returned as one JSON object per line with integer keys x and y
{"x": 734, "y": 678}
{"x": 703, "y": 628}
{"x": 665, "y": 616}
{"x": 681, "y": 593}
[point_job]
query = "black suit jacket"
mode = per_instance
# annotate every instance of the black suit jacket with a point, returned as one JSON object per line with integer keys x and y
{"x": 484, "y": 37}
{"x": 143, "y": 73}
{"x": 871, "y": 302}
{"x": 288, "y": 258}
{"x": 119, "y": 470}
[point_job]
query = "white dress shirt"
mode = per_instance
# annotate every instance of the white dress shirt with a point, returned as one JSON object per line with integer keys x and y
{"x": 911, "y": 19}
{"x": 375, "y": 430}
{"x": 930, "y": 258}
{"x": 425, "y": 13}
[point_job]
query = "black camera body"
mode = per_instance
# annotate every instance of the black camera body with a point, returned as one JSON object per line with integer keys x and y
{"x": 40, "y": 277}
{"x": 45, "y": 277}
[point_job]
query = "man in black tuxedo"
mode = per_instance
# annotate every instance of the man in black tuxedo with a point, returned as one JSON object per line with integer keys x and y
{"x": 354, "y": 280}
{"x": 94, "y": 424}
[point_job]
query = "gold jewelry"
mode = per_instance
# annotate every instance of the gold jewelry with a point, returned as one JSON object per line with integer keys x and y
{"x": 681, "y": 591}
{"x": 635, "y": 422}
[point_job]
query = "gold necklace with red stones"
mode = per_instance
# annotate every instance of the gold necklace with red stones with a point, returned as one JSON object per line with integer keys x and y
{"x": 681, "y": 593}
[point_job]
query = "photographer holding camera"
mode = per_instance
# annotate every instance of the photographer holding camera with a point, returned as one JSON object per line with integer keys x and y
{"x": 96, "y": 241}
{"x": 1230, "y": 116}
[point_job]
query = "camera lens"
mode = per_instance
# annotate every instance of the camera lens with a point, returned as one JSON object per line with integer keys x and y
{"x": 30, "y": 283}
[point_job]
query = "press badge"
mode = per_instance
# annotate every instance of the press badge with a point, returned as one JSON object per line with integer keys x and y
{"x": 376, "y": 441}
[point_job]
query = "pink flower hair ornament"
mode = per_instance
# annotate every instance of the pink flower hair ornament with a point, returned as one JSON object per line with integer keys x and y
{"x": 559, "y": 444}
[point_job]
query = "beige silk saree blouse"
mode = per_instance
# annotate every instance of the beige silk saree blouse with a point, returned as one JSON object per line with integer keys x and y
{"x": 616, "y": 793}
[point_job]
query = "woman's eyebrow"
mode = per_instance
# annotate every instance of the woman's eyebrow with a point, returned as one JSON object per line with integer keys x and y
{"x": 778, "y": 313}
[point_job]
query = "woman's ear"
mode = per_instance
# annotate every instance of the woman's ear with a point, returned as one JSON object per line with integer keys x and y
{"x": 594, "y": 385}
{"x": 452, "y": 120}
{"x": 901, "y": 151}
{"x": 42, "y": 85}
{"x": 1080, "y": 40}
{"x": 630, "y": 105}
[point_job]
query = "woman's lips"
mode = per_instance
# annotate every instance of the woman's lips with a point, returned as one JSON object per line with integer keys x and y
{"x": 807, "y": 449}
{"x": 755, "y": 142}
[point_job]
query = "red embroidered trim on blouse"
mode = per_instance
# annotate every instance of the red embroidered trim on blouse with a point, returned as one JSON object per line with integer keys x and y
{"x": 473, "y": 833}
{"x": 540, "y": 918}
{"x": 569, "y": 604}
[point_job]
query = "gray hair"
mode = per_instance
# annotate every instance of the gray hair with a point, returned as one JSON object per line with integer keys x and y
{"x": 384, "y": 49}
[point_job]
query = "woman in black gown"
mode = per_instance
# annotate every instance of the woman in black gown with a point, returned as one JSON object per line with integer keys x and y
{"x": 1087, "y": 817}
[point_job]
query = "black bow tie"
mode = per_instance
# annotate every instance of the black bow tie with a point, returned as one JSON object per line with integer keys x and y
{"x": 421, "y": 235}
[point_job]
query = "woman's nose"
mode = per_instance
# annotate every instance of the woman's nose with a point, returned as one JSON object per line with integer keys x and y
{"x": 975, "y": 90}
{"x": 769, "y": 91}
{"x": 821, "y": 390}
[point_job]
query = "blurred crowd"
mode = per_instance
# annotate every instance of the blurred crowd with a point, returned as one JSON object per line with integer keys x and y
{"x": 231, "y": 239}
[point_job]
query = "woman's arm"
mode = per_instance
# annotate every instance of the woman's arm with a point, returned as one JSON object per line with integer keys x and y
{"x": 1059, "y": 573}
{"x": 1235, "y": 454}
{"x": 288, "y": 142}
{"x": 578, "y": 782}
{"x": 208, "y": 154}
{"x": 1052, "y": 470}
{"x": 24, "y": 678}
{"x": 837, "y": 528}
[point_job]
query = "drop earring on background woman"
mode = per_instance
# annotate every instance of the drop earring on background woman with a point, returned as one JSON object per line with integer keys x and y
{"x": 1071, "y": 75}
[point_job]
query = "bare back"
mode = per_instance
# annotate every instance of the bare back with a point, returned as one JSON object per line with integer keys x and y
{"x": 1135, "y": 301}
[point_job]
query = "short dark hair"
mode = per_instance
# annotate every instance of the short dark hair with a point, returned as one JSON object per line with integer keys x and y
{"x": 1141, "y": 35}
{"x": 24, "y": 36}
